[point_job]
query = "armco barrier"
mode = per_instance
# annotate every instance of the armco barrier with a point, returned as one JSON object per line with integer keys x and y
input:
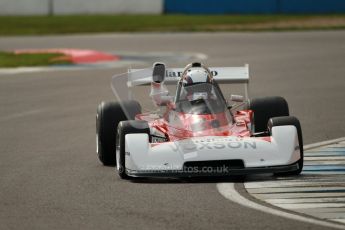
{"x": 253, "y": 6}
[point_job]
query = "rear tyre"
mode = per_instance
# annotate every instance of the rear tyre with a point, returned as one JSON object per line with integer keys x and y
{"x": 109, "y": 114}
{"x": 290, "y": 120}
{"x": 127, "y": 127}
{"x": 266, "y": 107}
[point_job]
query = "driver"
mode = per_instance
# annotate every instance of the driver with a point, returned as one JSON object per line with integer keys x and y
{"x": 193, "y": 80}
{"x": 196, "y": 83}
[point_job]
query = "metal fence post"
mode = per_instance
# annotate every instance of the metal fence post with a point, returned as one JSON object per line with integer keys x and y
{"x": 51, "y": 7}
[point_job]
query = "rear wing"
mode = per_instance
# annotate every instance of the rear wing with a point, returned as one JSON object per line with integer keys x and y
{"x": 224, "y": 75}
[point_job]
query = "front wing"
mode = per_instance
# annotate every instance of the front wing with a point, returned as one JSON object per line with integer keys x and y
{"x": 213, "y": 155}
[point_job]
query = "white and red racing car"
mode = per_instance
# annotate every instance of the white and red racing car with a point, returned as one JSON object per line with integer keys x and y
{"x": 195, "y": 132}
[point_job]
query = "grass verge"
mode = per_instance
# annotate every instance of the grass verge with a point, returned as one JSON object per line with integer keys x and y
{"x": 33, "y": 25}
{"x": 8, "y": 60}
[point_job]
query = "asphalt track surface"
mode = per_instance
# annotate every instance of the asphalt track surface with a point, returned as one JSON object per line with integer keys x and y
{"x": 50, "y": 177}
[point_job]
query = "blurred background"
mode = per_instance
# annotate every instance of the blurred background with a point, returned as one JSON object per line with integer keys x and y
{"x": 60, "y": 7}
{"x": 88, "y": 16}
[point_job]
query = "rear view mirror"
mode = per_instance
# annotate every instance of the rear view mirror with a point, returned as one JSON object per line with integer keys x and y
{"x": 158, "y": 74}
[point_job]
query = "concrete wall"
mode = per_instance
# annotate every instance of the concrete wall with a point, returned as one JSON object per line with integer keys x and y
{"x": 24, "y": 7}
{"x": 45, "y": 7}
{"x": 108, "y": 6}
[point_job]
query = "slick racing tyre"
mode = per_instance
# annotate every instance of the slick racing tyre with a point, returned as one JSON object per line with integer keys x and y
{"x": 127, "y": 127}
{"x": 266, "y": 107}
{"x": 290, "y": 120}
{"x": 109, "y": 114}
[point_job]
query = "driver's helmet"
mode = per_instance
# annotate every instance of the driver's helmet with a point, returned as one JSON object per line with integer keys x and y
{"x": 200, "y": 77}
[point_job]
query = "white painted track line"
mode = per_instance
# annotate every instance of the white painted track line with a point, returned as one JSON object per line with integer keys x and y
{"x": 319, "y": 192}
{"x": 305, "y": 200}
{"x": 323, "y": 143}
{"x": 228, "y": 191}
{"x": 297, "y": 195}
{"x": 339, "y": 220}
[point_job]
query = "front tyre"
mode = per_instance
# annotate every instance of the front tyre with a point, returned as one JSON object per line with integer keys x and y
{"x": 109, "y": 114}
{"x": 289, "y": 120}
{"x": 127, "y": 127}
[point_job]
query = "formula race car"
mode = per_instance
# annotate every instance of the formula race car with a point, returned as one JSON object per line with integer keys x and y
{"x": 195, "y": 132}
